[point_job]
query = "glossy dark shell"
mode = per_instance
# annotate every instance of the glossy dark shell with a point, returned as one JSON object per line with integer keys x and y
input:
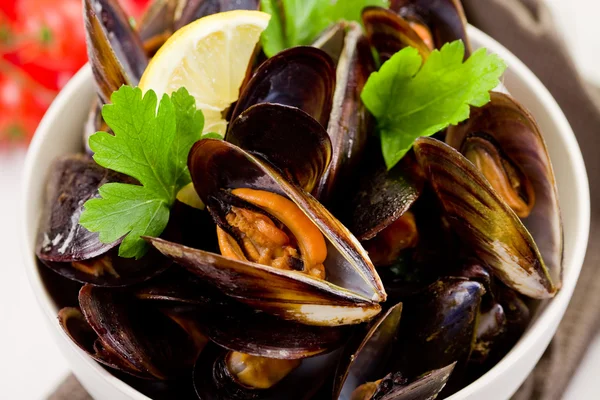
{"x": 236, "y": 326}
{"x": 350, "y": 123}
{"x": 520, "y": 139}
{"x": 390, "y": 33}
{"x": 149, "y": 341}
{"x": 213, "y": 382}
{"x": 115, "y": 50}
{"x": 128, "y": 270}
{"x": 483, "y": 221}
{"x": 382, "y": 196}
{"x": 491, "y": 326}
{"x": 301, "y": 77}
{"x": 438, "y": 326}
{"x": 195, "y": 9}
{"x": 287, "y": 137}
{"x": 445, "y": 19}
{"x": 353, "y": 288}
{"x": 366, "y": 355}
{"x": 72, "y": 181}
{"x": 81, "y": 333}
{"x": 331, "y": 40}
{"x": 426, "y": 387}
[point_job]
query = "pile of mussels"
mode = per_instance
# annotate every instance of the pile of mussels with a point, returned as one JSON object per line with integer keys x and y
{"x": 427, "y": 282}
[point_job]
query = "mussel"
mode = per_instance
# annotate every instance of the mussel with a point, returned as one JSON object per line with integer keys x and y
{"x": 247, "y": 198}
{"x": 483, "y": 221}
{"x": 363, "y": 372}
{"x": 131, "y": 338}
{"x": 71, "y": 250}
{"x": 504, "y": 142}
{"x": 115, "y": 50}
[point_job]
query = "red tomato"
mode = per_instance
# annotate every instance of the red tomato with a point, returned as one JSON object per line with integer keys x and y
{"x": 53, "y": 34}
{"x": 21, "y": 108}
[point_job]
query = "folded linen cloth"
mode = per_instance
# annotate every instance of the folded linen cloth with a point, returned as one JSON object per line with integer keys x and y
{"x": 526, "y": 28}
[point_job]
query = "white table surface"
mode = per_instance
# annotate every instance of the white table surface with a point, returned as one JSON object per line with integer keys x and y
{"x": 30, "y": 364}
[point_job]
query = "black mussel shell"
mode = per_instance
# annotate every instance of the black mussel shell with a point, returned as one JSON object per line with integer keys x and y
{"x": 234, "y": 325}
{"x": 515, "y": 133}
{"x": 491, "y": 326}
{"x": 483, "y": 221}
{"x": 426, "y": 387}
{"x": 115, "y": 50}
{"x": 382, "y": 196}
{"x": 331, "y": 40}
{"x": 149, "y": 341}
{"x": 365, "y": 357}
{"x": 110, "y": 270}
{"x": 350, "y": 122}
{"x": 81, "y": 333}
{"x": 301, "y": 77}
{"x": 287, "y": 137}
{"x": 195, "y": 9}
{"x": 72, "y": 181}
{"x": 445, "y": 19}
{"x": 390, "y": 33}
{"x": 438, "y": 327}
{"x": 213, "y": 381}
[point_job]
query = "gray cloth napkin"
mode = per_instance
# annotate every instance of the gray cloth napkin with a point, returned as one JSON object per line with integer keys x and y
{"x": 526, "y": 28}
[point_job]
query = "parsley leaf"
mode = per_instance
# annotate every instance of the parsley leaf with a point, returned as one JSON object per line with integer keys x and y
{"x": 299, "y": 22}
{"x": 410, "y": 98}
{"x": 151, "y": 146}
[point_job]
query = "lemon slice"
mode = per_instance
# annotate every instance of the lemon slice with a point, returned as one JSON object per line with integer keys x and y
{"x": 208, "y": 57}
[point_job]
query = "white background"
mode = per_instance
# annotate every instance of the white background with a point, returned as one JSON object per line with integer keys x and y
{"x": 31, "y": 366}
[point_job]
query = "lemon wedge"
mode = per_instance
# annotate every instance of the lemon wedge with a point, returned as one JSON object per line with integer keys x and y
{"x": 209, "y": 57}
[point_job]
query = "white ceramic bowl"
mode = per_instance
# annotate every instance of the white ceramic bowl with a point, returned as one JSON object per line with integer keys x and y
{"x": 60, "y": 133}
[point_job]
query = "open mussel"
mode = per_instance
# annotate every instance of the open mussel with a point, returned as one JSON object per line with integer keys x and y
{"x": 483, "y": 221}
{"x": 504, "y": 142}
{"x": 279, "y": 242}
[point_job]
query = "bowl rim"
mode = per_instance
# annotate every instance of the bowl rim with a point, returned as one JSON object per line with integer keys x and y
{"x": 533, "y": 334}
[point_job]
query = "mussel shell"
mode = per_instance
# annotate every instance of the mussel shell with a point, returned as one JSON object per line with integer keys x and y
{"x": 331, "y": 40}
{"x": 236, "y": 326}
{"x": 353, "y": 288}
{"x": 350, "y": 122}
{"x": 365, "y": 356}
{"x": 389, "y": 33}
{"x": 438, "y": 326}
{"x": 195, "y": 9}
{"x": 291, "y": 295}
{"x": 519, "y": 137}
{"x": 382, "y": 196}
{"x": 115, "y": 50}
{"x": 72, "y": 181}
{"x": 128, "y": 270}
{"x": 81, "y": 333}
{"x": 445, "y": 19}
{"x": 157, "y": 24}
{"x": 287, "y": 137}
{"x": 145, "y": 338}
{"x": 425, "y": 387}
{"x": 301, "y": 77}
{"x": 483, "y": 221}
{"x": 491, "y": 325}
{"x": 212, "y": 381}
{"x": 93, "y": 124}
